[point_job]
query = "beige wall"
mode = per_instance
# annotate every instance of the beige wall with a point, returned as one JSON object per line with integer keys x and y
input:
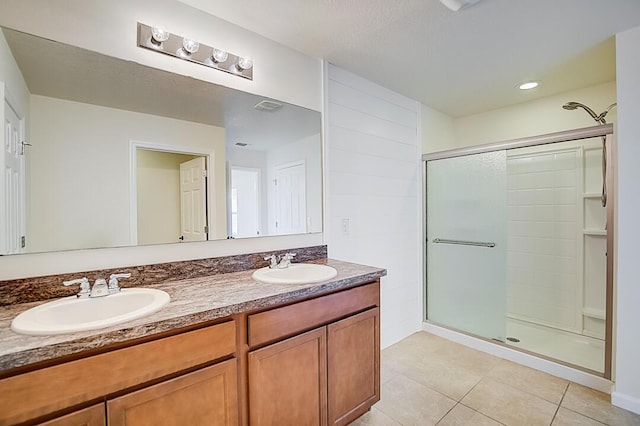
{"x": 536, "y": 117}
{"x": 85, "y": 149}
{"x": 437, "y": 130}
{"x": 158, "y": 196}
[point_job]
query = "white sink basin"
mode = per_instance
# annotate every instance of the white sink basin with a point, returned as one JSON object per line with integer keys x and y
{"x": 296, "y": 273}
{"x": 70, "y": 314}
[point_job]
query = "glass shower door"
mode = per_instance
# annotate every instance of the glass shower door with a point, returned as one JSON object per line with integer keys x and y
{"x": 466, "y": 243}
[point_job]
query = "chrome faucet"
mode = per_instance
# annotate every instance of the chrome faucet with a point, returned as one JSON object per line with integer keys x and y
{"x": 100, "y": 287}
{"x": 285, "y": 260}
{"x": 85, "y": 287}
{"x": 273, "y": 261}
{"x": 114, "y": 285}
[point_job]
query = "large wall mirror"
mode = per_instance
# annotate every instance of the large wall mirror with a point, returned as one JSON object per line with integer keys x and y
{"x": 119, "y": 154}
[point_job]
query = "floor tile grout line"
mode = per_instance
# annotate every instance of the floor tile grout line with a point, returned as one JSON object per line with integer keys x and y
{"x": 506, "y": 383}
{"x": 589, "y": 417}
{"x": 560, "y": 403}
{"x": 480, "y": 412}
{"x": 447, "y": 413}
{"x": 574, "y": 411}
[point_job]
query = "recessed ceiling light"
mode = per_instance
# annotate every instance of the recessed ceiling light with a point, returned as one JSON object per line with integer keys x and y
{"x": 528, "y": 85}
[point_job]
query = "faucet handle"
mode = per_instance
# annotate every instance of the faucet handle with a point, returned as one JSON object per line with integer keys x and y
{"x": 114, "y": 286}
{"x": 85, "y": 287}
{"x": 285, "y": 260}
{"x": 273, "y": 260}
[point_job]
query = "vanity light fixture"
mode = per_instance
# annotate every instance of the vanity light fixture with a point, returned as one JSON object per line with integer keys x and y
{"x": 160, "y": 40}
{"x": 219, "y": 55}
{"x": 189, "y": 46}
{"x": 158, "y": 36}
{"x": 244, "y": 64}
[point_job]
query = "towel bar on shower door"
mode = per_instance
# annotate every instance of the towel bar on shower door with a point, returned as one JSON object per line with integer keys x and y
{"x": 463, "y": 243}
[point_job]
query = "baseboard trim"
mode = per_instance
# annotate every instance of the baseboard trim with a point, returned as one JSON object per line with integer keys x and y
{"x": 625, "y": 401}
{"x": 555, "y": 369}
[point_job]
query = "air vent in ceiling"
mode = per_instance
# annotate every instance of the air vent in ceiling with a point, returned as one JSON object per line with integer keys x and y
{"x": 267, "y": 105}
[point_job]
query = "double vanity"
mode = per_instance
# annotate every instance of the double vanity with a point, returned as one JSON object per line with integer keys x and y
{"x": 253, "y": 346}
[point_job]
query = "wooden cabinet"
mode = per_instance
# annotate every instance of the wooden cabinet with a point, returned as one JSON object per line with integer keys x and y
{"x": 91, "y": 416}
{"x": 353, "y": 365}
{"x": 327, "y": 376}
{"x": 203, "y": 397}
{"x": 42, "y": 392}
{"x": 312, "y": 362}
{"x": 287, "y": 381}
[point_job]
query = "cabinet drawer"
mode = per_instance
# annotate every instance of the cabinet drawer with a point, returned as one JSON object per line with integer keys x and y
{"x": 40, "y": 392}
{"x": 282, "y": 322}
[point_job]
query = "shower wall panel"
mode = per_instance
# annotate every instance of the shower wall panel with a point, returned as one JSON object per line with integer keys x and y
{"x": 544, "y": 223}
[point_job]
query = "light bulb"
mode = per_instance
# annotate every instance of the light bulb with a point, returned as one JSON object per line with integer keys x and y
{"x": 219, "y": 55}
{"x": 244, "y": 64}
{"x": 190, "y": 46}
{"x": 159, "y": 35}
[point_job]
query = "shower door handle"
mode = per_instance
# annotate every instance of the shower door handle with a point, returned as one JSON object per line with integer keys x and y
{"x": 464, "y": 243}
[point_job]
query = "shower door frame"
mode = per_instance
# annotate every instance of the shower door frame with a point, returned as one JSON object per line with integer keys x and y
{"x": 546, "y": 139}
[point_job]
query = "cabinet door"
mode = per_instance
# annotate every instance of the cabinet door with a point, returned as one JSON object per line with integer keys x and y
{"x": 353, "y": 353}
{"x": 204, "y": 397}
{"x": 287, "y": 381}
{"x": 91, "y": 416}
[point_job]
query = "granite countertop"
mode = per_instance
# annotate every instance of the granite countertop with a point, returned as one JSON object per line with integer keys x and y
{"x": 193, "y": 301}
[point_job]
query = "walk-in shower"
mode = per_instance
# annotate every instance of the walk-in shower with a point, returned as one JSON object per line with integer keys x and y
{"x": 519, "y": 247}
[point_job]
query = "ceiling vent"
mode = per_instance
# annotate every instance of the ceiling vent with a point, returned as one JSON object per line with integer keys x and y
{"x": 267, "y": 105}
{"x": 456, "y": 5}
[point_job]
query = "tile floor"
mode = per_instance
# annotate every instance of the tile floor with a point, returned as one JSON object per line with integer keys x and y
{"x": 428, "y": 380}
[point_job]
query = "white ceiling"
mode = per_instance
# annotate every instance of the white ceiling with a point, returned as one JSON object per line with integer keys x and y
{"x": 459, "y": 63}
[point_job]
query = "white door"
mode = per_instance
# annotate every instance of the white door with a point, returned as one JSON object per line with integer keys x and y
{"x": 193, "y": 200}
{"x": 245, "y": 202}
{"x": 290, "y": 196}
{"x": 12, "y": 210}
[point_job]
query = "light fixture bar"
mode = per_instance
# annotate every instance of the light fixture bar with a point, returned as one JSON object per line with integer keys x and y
{"x": 159, "y": 40}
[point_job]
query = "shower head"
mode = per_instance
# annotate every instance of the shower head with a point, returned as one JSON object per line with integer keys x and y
{"x": 575, "y": 105}
{"x": 599, "y": 118}
{"x": 570, "y": 105}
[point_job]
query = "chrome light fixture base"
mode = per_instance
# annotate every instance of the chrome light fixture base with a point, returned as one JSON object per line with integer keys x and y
{"x": 185, "y": 49}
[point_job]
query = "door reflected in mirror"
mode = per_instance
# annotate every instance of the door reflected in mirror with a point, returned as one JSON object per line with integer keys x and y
{"x": 107, "y": 139}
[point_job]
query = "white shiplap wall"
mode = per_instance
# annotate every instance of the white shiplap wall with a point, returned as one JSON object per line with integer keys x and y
{"x": 372, "y": 175}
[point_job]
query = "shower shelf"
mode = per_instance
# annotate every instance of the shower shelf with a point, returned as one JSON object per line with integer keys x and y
{"x": 595, "y": 232}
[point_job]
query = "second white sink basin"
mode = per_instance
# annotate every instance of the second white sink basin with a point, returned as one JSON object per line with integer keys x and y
{"x": 70, "y": 314}
{"x": 296, "y": 273}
